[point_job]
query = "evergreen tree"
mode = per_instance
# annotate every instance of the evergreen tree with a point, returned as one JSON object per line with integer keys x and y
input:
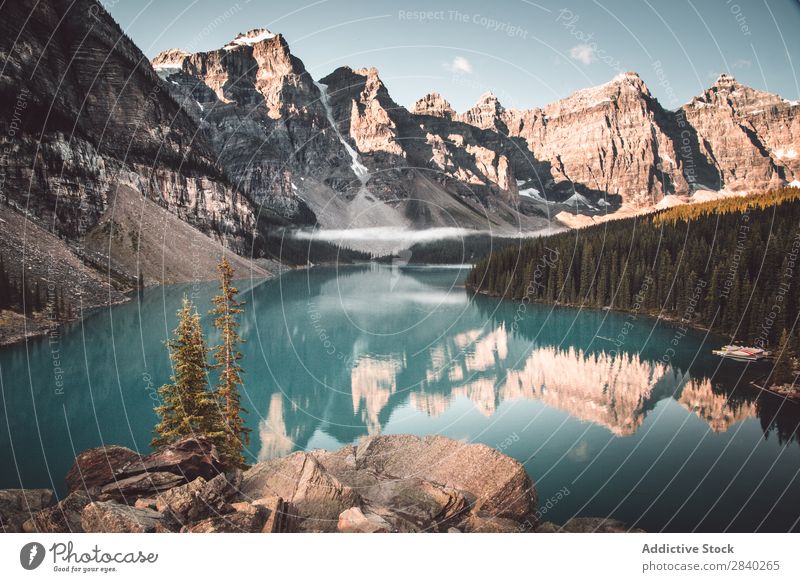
{"x": 226, "y": 359}
{"x": 188, "y": 407}
{"x": 783, "y": 372}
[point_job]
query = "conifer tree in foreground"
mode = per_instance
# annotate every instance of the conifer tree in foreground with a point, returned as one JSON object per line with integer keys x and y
{"x": 187, "y": 407}
{"x": 783, "y": 372}
{"x": 226, "y": 360}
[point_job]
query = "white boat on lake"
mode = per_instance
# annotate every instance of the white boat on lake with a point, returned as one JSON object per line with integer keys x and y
{"x": 741, "y": 353}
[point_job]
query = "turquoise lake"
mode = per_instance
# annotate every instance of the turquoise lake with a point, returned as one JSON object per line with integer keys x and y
{"x": 650, "y": 428}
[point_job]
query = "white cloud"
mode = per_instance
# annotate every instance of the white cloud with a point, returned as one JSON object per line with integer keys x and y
{"x": 459, "y": 65}
{"x": 583, "y": 53}
{"x": 742, "y": 64}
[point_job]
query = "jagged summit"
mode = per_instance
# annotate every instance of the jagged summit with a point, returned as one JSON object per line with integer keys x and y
{"x": 250, "y": 38}
{"x": 725, "y": 80}
{"x": 613, "y": 139}
{"x": 435, "y": 105}
{"x": 487, "y": 113}
{"x": 629, "y": 76}
{"x": 169, "y": 59}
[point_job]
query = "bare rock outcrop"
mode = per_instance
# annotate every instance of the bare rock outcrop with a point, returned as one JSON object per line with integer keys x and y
{"x": 62, "y": 517}
{"x": 315, "y": 496}
{"x": 112, "y": 517}
{"x": 492, "y": 482}
{"x": 96, "y": 467}
{"x": 751, "y": 138}
{"x": 398, "y": 483}
{"x": 18, "y": 505}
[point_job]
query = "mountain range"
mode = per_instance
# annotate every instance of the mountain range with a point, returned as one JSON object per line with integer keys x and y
{"x": 127, "y": 167}
{"x": 342, "y": 148}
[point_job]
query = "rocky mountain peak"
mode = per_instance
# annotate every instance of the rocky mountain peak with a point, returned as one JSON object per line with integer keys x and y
{"x": 250, "y": 38}
{"x": 169, "y": 62}
{"x": 172, "y": 56}
{"x": 729, "y": 94}
{"x": 486, "y": 114}
{"x": 725, "y": 81}
{"x": 435, "y": 105}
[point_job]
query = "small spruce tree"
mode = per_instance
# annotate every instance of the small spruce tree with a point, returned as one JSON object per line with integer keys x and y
{"x": 187, "y": 407}
{"x": 226, "y": 359}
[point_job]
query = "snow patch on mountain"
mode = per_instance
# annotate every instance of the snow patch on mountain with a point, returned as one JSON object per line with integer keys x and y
{"x": 360, "y": 170}
{"x": 250, "y": 38}
{"x": 578, "y": 200}
{"x": 785, "y": 153}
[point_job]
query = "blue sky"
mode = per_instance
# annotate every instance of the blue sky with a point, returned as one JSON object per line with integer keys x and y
{"x": 528, "y": 53}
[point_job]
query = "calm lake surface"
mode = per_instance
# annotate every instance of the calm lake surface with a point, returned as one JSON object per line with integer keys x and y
{"x": 655, "y": 432}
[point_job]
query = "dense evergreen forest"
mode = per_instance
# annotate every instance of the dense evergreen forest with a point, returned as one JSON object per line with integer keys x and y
{"x": 728, "y": 265}
{"x": 457, "y": 251}
{"x": 24, "y": 296}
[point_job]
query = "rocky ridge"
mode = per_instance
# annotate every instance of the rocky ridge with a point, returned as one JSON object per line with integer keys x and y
{"x": 601, "y": 148}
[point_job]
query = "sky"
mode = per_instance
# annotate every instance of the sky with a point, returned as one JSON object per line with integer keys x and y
{"x": 528, "y": 53}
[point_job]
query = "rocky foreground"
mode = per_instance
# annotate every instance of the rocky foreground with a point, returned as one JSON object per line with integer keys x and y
{"x": 384, "y": 484}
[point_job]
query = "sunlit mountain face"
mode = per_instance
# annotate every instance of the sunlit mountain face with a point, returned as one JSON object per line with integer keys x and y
{"x": 334, "y": 355}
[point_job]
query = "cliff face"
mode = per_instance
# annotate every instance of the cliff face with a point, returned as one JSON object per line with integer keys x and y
{"x": 90, "y": 115}
{"x": 610, "y": 140}
{"x": 105, "y": 181}
{"x": 264, "y": 117}
{"x": 750, "y": 138}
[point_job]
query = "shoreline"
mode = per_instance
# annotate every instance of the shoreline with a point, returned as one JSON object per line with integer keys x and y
{"x": 40, "y": 326}
{"x": 646, "y": 314}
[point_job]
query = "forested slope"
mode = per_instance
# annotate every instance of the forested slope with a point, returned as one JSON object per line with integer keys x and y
{"x": 729, "y": 265}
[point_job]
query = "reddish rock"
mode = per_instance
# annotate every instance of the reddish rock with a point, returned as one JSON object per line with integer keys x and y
{"x": 65, "y": 517}
{"x": 129, "y": 489}
{"x": 246, "y": 518}
{"x": 111, "y": 517}
{"x": 190, "y": 457}
{"x": 96, "y": 467}
{"x": 19, "y": 505}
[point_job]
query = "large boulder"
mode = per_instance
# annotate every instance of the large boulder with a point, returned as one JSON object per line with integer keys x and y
{"x": 315, "y": 497}
{"x": 65, "y": 517}
{"x": 19, "y": 505}
{"x": 169, "y": 467}
{"x": 354, "y": 520}
{"x": 190, "y": 457}
{"x": 94, "y": 468}
{"x": 494, "y": 483}
{"x": 129, "y": 489}
{"x": 428, "y": 506}
{"x": 112, "y": 517}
